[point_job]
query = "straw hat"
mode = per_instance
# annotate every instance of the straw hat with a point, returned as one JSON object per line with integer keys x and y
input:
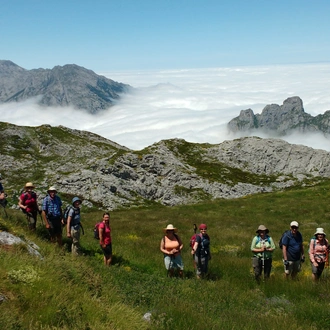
{"x": 170, "y": 227}
{"x": 29, "y": 185}
{"x": 320, "y": 231}
{"x": 52, "y": 188}
{"x": 262, "y": 228}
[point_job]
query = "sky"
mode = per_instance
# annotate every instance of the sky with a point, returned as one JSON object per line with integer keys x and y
{"x": 194, "y": 64}
{"x": 163, "y": 34}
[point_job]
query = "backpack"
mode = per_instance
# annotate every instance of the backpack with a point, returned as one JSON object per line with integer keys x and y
{"x": 259, "y": 239}
{"x": 193, "y": 240}
{"x": 96, "y": 230}
{"x": 66, "y": 213}
{"x": 280, "y": 242}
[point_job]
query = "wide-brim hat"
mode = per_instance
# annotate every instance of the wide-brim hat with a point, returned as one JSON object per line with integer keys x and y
{"x": 170, "y": 227}
{"x": 320, "y": 231}
{"x": 52, "y": 188}
{"x": 29, "y": 185}
{"x": 262, "y": 228}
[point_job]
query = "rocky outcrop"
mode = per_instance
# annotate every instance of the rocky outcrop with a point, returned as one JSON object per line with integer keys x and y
{"x": 280, "y": 120}
{"x": 68, "y": 85}
{"x": 170, "y": 172}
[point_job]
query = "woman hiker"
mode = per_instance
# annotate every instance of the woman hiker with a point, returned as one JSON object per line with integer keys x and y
{"x": 171, "y": 245}
{"x": 105, "y": 238}
{"x": 318, "y": 253}
{"x": 262, "y": 247}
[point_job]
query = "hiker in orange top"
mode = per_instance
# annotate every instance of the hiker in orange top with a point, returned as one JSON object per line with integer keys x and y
{"x": 318, "y": 253}
{"x": 28, "y": 204}
{"x": 171, "y": 245}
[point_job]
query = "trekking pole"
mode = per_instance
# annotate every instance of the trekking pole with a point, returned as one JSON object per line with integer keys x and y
{"x": 263, "y": 260}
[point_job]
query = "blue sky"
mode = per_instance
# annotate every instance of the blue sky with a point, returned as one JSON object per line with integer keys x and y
{"x": 157, "y": 34}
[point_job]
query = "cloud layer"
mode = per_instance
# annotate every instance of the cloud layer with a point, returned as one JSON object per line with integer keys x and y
{"x": 195, "y": 104}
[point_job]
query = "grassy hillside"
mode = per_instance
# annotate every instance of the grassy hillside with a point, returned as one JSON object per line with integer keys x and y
{"x": 61, "y": 292}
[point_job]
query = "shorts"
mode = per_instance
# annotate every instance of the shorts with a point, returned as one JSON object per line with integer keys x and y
{"x": 319, "y": 269}
{"x": 107, "y": 250}
{"x": 173, "y": 262}
{"x": 292, "y": 267}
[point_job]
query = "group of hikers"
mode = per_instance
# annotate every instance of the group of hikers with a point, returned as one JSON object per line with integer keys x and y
{"x": 291, "y": 243}
{"x": 171, "y": 245}
{"x": 55, "y": 219}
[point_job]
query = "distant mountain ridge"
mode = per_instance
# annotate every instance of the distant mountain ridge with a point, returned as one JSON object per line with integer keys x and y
{"x": 68, "y": 85}
{"x": 281, "y": 120}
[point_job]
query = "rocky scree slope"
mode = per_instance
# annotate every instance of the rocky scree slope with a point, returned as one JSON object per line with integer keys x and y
{"x": 68, "y": 85}
{"x": 282, "y": 120}
{"x": 170, "y": 172}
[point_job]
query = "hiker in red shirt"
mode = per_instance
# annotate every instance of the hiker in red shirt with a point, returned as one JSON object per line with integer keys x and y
{"x": 29, "y": 205}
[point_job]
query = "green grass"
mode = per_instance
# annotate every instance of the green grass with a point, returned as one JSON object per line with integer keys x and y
{"x": 61, "y": 292}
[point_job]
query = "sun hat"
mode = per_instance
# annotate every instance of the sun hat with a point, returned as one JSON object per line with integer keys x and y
{"x": 294, "y": 224}
{"x": 76, "y": 199}
{"x": 320, "y": 231}
{"x": 52, "y": 188}
{"x": 202, "y": 226}
{"x": 170, "y": 227}
{"x": 262, "y": 228}
{"x": 29, "y": 185}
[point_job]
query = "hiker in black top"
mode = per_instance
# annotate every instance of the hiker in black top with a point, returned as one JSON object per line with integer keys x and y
{"x": 73, "y": 225}
{"x": 201, "y": 250}
{"x": 28, "y": 204}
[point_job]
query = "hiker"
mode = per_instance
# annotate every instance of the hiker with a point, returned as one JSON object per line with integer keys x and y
{"x": 3, "y": 200}
{"x": 201, "y": 250}
{"x": 293, "y": 250}
{"x": 318, "y": 253}
{"x": 262, "y": 247}
{"x": 105, "y": 238}
{"x": 29, "y": 205}
{"x": 171, "y": 245}
{"x": 52, "y": 215}
{"x": 73, "y": 225}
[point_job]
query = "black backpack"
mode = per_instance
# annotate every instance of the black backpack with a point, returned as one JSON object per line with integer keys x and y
{"x": 280, "y": 242}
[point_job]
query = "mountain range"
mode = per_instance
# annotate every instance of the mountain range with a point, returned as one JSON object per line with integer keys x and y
{"x": 68, "y": 85}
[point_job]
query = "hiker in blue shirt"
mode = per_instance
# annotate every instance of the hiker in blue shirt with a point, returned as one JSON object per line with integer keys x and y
{"x": 293, "y": 250}
{"x": 73, "y": 225}
{"x": 262, "y": 247}
{"x": 52, "y": 215}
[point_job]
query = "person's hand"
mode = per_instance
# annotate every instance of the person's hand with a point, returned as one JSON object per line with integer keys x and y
{"x": 47, "y": 226}
{"x": 315, "y": 263}
{"x": 68, "y": 235}
{"x": 286, "y": 262}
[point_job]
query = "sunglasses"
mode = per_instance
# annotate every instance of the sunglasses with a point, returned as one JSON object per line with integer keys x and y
{"x": 294, "y": 227}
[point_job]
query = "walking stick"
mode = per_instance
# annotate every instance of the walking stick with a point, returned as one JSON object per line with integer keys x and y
{"x": 263, "y": 260}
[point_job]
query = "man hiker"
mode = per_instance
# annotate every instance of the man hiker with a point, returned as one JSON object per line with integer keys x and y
{"x": 52, "y": 215}
{"x": 73, "y": 225}
{"x": 293, "y": 250}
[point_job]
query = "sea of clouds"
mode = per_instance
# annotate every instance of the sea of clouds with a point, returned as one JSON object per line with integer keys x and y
{"x": 192, "y": 104}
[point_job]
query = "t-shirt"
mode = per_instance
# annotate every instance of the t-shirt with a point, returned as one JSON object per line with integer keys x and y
{"x": 106, "y": 233}
{"x": 293, "y": 245}
{"x": 203, "y": 247}
{"x": 74, "y": 213}
{"x": 29, "y": 199}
